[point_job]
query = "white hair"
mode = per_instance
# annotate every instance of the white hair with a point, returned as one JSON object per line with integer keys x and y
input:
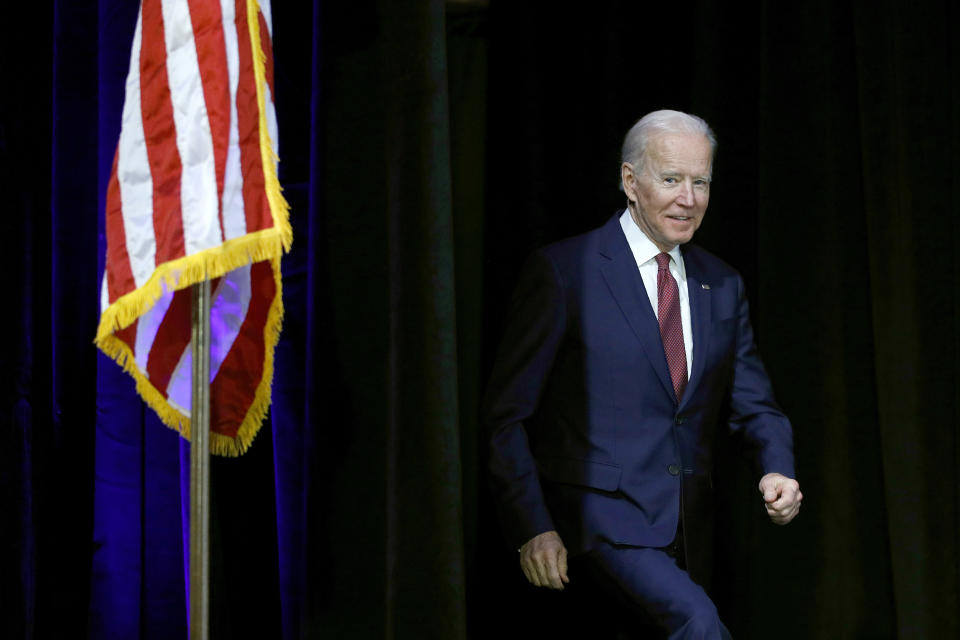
{"x": 665, "y": 121}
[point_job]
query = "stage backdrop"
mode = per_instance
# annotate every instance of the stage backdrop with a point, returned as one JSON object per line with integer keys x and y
{"x": 424, "y": 151}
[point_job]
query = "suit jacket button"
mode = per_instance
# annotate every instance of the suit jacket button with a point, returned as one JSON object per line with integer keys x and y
{"x": 680, "y": 419}
{"x": 674, "y": 469}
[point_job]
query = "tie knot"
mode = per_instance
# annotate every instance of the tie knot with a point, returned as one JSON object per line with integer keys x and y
{"x": 663, "y": 261}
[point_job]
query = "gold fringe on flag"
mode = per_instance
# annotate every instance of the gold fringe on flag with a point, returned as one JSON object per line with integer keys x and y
{"x": 266, "y": 244}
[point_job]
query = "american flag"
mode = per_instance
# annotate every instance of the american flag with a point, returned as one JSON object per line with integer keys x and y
{"x": 194, "y": 195}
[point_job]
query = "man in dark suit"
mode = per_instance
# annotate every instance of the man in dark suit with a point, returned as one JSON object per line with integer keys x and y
{"x": 625, "y": 349}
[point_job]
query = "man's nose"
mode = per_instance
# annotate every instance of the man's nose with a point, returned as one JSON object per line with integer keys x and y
{"x": 686, "y": 197}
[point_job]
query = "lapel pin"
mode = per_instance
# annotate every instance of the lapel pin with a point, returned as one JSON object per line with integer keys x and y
{"x": 705, "y": 286}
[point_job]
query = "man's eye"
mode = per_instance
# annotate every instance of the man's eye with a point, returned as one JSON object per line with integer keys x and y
{"x": 700, "y": 183}
{"x": 669, "y": 180}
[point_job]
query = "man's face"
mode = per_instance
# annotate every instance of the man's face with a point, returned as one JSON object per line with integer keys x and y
{"x": 670, "y": 196}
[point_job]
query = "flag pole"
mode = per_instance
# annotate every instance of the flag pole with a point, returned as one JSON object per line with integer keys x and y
{"x": 200, "y": 464}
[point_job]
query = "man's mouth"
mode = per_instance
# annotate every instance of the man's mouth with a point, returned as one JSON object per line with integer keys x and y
{"x": 681, "y": 218}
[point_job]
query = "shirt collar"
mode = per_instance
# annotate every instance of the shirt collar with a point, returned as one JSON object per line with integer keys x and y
{"x": 642, "y": 247}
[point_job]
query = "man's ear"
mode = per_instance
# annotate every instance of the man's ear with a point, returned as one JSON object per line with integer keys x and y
{"x": 629, "y": 181}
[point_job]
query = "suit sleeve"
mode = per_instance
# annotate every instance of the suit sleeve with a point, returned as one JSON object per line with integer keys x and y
{"x": 754, "y": 412}
{"x": 534, "y": 333}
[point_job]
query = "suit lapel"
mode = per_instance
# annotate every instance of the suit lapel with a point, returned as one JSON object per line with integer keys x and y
{"x": 623, "y": 279}
{"x": 700, "y": 302}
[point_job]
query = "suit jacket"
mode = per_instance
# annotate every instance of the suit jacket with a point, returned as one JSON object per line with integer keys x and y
{"x": 586, "y": 435}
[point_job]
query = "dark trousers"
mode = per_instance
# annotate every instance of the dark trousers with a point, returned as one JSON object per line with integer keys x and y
{"x": 651, "y": 585}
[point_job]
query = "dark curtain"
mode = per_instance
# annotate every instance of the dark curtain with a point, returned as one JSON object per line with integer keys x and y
{"x": 345, "y": 518}
{"x": 425, "y": 149}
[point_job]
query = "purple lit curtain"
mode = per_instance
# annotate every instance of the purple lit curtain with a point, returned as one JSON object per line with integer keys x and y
{"x": 96, "y": 487}
{"x": 139, "y": 573}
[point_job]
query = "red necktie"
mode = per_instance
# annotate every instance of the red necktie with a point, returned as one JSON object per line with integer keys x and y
{"x": 671, "y": 328}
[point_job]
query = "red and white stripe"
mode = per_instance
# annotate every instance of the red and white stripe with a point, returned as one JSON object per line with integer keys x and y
{"x": 187, "y": 177}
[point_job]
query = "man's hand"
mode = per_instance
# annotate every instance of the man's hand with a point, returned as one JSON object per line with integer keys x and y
{"x": 543, "y": 559}
{"x": 781, "y": 496}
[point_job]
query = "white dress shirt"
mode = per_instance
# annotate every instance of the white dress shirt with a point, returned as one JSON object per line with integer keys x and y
{"x": 645, "y": 253}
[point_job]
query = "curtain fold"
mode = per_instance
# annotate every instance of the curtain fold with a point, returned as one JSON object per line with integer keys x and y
{"x": 909, "y": 59}
{"x": 424, "y": 500}
{"x": 816, "y": 334}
